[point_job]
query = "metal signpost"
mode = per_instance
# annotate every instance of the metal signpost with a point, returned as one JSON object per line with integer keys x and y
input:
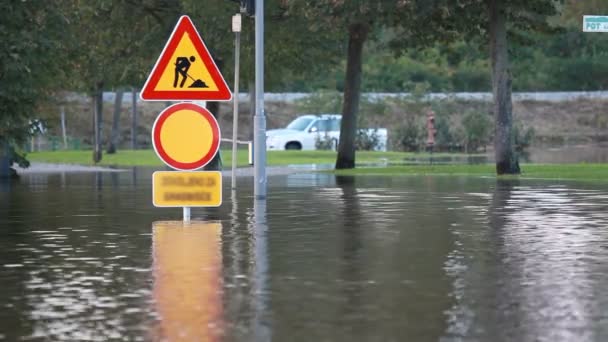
{"x": 595, "y": 23}
{"x": 186, "y": 136}
{"x": 236, "y": 28}
{"x": 259, "y": 123}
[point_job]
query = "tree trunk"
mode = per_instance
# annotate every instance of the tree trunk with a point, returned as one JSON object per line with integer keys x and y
{"x": 115, "y": 133}
{"x": 357, "y": 34}
{"x": 216, "y": 163}
{"x": 5, "y": 160}
{"x": 134, "y": 119}
{"x": 506, "y": 157}
{"x": 214, "y": 107}
{"x": 97, "y": 121}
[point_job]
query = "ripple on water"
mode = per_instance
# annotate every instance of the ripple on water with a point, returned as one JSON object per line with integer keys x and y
{"x": 404, "y": 258}
{"x": 547, "y": 265}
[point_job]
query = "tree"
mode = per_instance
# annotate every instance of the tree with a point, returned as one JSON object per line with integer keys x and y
{"x": 290, "y": 48}
{"x": 110, "y": 46}
{"x": 29, "y": 65}
{"x": 502, "y": 22}
{"x": 506, "y": 157}
{"x": 526, "y": 15}
{"x": 358, "y": 20}
{"x": 115, "y": 133}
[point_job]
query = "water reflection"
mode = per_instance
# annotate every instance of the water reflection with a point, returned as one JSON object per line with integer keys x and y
{"x": 351, "y": 274}
{"x": 536, "y": 275}
{"x": 187, "y": 281}
{"x": 358, "y": 259}
{"x": 259, "y": 232}
{"x": 246, "y": 270}
{"x": 550, "y": 252}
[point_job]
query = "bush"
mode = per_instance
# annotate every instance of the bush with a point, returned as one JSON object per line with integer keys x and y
{"x": 409, "y": 136}
{"x": 8, "y": 156}
{"x": 522, "y": 136}
{"x": 445, "y": 139}
{"x": 365, "y": 141}
{"x": 325, "y": 142}
{"x": 477, "y": 128}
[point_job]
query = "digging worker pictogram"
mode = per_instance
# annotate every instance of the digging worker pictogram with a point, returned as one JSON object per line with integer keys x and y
{"x": 185, "y": 70}
{"x": 182, "y": 64}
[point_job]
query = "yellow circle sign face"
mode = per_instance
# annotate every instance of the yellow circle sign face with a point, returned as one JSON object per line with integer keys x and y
{"x": 186, "y": 136}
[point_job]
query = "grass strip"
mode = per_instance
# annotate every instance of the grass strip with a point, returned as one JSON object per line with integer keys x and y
{"x": 126, "y": 158}
{"x": 581, "y": 171}
{"x": 274, "y": 158}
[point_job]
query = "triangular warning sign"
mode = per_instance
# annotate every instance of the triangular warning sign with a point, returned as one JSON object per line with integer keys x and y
{"x": 185, "y": 70}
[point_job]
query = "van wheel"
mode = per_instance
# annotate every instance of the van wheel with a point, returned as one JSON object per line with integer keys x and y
{"x": 293, "y": 146}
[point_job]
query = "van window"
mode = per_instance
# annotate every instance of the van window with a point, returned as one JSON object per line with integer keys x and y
{"x": 299, "y": 124}
{"x": 321, "y": 125}
{"x": 334, "y": 124}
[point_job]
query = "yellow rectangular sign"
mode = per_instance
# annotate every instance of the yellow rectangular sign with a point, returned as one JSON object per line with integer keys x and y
{"x": 187, "y": 188}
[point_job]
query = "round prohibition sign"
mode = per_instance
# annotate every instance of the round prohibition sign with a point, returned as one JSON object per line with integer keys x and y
{"x": 186, "y": 136}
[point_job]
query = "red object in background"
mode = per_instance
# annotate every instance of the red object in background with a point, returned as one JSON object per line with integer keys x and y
{"x": 430, "y": 128}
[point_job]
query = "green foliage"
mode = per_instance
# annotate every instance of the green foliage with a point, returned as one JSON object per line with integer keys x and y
{"x": 471, "y": 76}
{"x": 371, "y": 111}
{"x": 542, "y": 58}
{"x": 324, "y": 142}
{"x": 562, "y": 61}
{"x": 445, "y": 138}
{"x": 115, "y": 43}
{"x": 448, "y": 137}
{"x": 29, "y": 66}
{"x": 522, "y": 136}
{"x": 366, "y": 141}
{"x": 409, "y": 135}
{"x": 477, "y": 127}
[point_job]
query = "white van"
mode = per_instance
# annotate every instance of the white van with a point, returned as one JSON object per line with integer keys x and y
{"x": 304, "y": 132}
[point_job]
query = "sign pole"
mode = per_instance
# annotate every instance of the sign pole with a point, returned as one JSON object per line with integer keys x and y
{"x": 63, "y": 131}
{"x": 259, "y": 120}
{"x": 236, "y": 28}
{"x": 186, "y": 214}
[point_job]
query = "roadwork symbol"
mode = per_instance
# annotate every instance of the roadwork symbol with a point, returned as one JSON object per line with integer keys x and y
{"x": 185, "y": 70}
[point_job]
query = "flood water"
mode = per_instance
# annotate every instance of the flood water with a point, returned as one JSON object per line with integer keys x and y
{"x": 86, "y": 257}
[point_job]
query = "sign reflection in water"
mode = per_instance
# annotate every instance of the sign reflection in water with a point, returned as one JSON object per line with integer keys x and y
{"x": 187, "y": 281}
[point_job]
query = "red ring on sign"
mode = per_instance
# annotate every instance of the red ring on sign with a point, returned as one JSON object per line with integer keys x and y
{"x": 162, "y": 154}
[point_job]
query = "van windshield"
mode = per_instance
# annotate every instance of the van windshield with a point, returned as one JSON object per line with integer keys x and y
{"x": 299, "y": 124}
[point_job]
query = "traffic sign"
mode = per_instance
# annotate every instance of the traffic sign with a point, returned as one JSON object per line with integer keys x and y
{"x": 185, "y": 70}
{"x": 595, "y": 23}
{"x": 186, "y": 136}
{"x": 187, "y": 188}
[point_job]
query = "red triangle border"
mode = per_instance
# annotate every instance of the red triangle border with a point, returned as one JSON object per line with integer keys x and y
{"x": 185, "y": 25}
